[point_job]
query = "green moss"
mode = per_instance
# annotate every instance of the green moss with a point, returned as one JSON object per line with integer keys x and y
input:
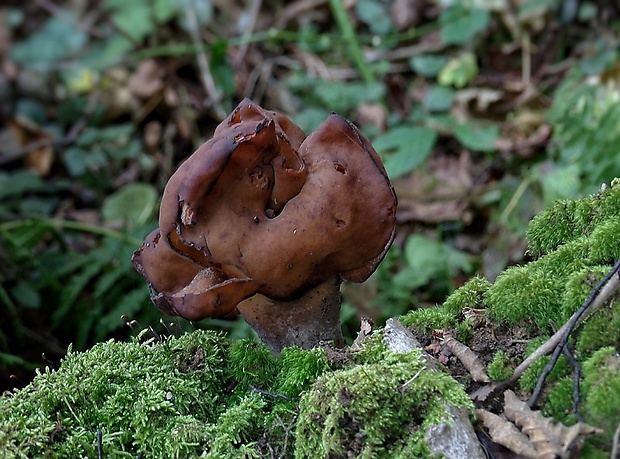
{"x": 464, "y": 331}
{"x": 600, "y": 330}
{"x": 554, "y": 227}
{"x": 470, "y": 295}
{"x": 374, "y": 350}
{"x": 560, "y": 401}
{"x": 135, "y": 393}
{"x": 601, "y": 386}
{"x": 375, "y": 410}
{"x": 199, "y": 395}
{"x": 529, "y": 378}
{"x": 251, "y": 364}
{"x": 500, "y": 367}
{"x": 525, "y": 293}
{"x": 300, "y": 368}
{"x": 570, "y": 220}
{"x": 430, "y": 318}
{"x": 605, "y": 249}
{"x": 448, "y": 315}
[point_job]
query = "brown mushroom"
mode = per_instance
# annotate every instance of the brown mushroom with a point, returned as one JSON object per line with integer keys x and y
{"x": 263, "y": 221}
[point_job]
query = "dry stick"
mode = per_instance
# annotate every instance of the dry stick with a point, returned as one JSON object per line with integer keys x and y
{"x": 576, "y": 378}
{"x": 597, "y": 297}
{"x": 615, "y": 446}
{"x": 251, "y": 23}
{"x": 214, "y": 96}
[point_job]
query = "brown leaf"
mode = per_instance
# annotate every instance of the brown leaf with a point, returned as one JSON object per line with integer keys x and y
{"x": 437, "y": 193}
{"x": 146, "y": 79}
{"x": 407, "y": 13}
{"x": 28, "y": 134}
{"x": 550, "y": 439}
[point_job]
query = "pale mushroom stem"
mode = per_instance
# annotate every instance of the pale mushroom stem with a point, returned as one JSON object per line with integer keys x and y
{"x": 304, "y": 322}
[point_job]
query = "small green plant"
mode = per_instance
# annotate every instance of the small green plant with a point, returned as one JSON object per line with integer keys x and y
{"x": 500, "y": 367}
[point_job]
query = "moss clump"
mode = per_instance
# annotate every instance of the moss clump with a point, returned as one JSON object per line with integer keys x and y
{"x": 448, "y": 315}
{"x": 570, "y": 240}
{"x": 200, "y": 395}
{"x": 252, "y": 364}
{"x": 136, "y": 394}
{"x": 560, "y": 401}
{"x": 375, "y": 410}
{"x": 525, "y": 292}
{"x": 470, "y": 295}
{"x": 500, "y": 367}
{"x": 161, "y": 399}
{"x": 570, "y": 220}
{"x": 430, "y": 318}
{"x": 601, "y": 386}
{"x": 303, "y": 367}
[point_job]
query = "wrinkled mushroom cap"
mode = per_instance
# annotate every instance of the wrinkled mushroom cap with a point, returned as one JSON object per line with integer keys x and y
{"x": 260, "y": 208}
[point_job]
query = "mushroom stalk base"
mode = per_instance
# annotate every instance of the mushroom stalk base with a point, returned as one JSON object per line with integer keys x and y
{"x": 304, "y": 322}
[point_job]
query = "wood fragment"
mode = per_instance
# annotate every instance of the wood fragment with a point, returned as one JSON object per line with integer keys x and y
{"x": 468, "y": 358}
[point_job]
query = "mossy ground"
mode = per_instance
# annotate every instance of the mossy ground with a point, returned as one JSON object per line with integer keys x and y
{"x": 573, "y": 245}
{"x": 200, "y": 395}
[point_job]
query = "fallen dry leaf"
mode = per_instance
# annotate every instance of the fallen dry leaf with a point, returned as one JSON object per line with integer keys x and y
{"x": 551, "y": 439}
{"x": 27, "y": 134}
{"x": 439, "y": 192}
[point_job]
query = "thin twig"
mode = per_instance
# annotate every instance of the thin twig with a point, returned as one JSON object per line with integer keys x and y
{"x": 99, "y": 445}
{"x": 247, "y": 32}
{"x": 615, "y": 446}
{"x": 576, "y": 382}
{"x": 214, "y": 96}
{"x": 256, "y": 390}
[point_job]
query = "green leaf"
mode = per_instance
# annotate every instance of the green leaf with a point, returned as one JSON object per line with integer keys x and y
{"x": 373, "y": 14}
{"x": 221, "y": 69}
{"x": 133, "y": 205}
{"x": 459, "y": 71}
{"x": 134, "y": 19}
{"x": 343, "y": 96}
{"x": 559, "y": 182}
{"x": 26, "y": 295}
{"x": 58, "y": 38}
{"x": 405, "y": 148}
{"x": 78, "y": 161}
{"x": 476, "y": 137}
{"x": 438, "y": 99}
{"x": 18, "y": 183}
{"x": 460, "y": 24}
{"x": 434, "y": 260}
{"x": 164, "y": 10}
{"x": 310, "y": 118}
{"x": 428, "y": 65}
{"x": 71, "y": 292}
